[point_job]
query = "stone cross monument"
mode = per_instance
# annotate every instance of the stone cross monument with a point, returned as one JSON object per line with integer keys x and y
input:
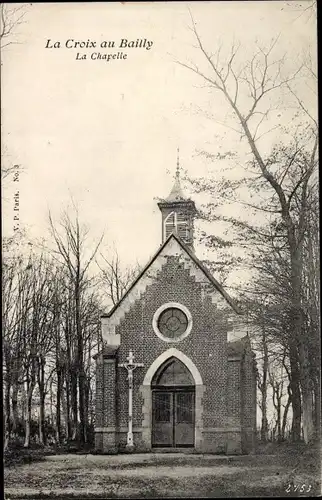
{"x": 130, "y": 366}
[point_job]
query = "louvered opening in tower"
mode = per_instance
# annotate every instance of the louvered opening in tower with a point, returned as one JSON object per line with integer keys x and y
{"x": 182, "y": 226}
{"x": 170, "y": 224}
{"x": 177, "y": 223}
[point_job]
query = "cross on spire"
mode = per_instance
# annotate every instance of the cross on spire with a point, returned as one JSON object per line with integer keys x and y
{"x": 178, "y": 166}
{"x": 176, "y": 193}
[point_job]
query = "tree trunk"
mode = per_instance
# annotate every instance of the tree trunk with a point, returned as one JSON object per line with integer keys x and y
{"x": 28, "y": 416}
{"x": 42, "y": 434}
{"x": 41, "y": 387}
{"x": 80, "y": 364}
{"x": 51, "y": 403}
{"x": 58, "y": 406}
{"x": 307, "y": 396}
{"x": 81, "y": 385}
{"x": 91, "y": 406}
{"x": 295, "y": 394}
{"x": 73, "y": 377}
{"x": 7, "y": 416}
{"x": 285, "y": 413}
{"x": 297, "y": 316}
{"x": 31, "y": 382}
{"x": 14, "y": 403}
{"x": 279, "y": 414}
{"x": 67, "y": 414}
{"x": 308, "y": 424}
{"x": 86, "y": 408}
{"x": 264, "y": 426}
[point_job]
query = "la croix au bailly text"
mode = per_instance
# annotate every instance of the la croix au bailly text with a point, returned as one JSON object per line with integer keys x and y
{"x": 124, "y": 43}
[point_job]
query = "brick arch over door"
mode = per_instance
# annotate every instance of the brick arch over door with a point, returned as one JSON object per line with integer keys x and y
{"x": 147, "y": 394}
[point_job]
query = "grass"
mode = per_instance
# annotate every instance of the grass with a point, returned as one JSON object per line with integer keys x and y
{"x": 278, "y": 471}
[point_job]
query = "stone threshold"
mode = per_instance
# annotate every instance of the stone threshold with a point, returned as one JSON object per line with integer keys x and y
{"x": 173, "y": 450}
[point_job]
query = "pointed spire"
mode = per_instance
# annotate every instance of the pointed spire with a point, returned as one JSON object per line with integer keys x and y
{"x": 176, "y": 192}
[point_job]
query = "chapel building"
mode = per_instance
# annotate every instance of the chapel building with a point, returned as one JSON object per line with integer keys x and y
{"x": 169, "y": 377}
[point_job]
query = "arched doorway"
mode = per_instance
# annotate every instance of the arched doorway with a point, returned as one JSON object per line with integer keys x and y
{"x": 173, "y": 403}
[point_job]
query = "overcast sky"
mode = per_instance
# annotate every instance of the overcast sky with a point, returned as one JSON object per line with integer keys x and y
{"x": 107, "y": 132}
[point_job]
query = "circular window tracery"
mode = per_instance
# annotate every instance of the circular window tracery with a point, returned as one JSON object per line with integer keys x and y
{"x": 172, "y": 322}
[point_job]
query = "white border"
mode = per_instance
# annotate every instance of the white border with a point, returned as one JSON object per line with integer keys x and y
{"x": 167, "y": 306}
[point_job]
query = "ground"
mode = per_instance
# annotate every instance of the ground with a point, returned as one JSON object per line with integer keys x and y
{"x": 163, "y": 476}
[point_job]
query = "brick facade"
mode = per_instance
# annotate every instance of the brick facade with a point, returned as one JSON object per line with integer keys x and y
{"x": 225, "y": 394}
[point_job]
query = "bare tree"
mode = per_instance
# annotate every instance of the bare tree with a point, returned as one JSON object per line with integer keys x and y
{"x": 38, "y": 339}
{"x": 252, "y": 92}
{"x": 15, "y": 310}
{"x": 11, "y": 17}
{"x": 262, "y": 383}
{"x": 277, "y": 382}
{"x": 115, "y": 278}
{"x": 70, "y": 247}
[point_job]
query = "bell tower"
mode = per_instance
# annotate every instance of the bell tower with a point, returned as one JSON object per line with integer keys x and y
{"x": 178, "y": 213}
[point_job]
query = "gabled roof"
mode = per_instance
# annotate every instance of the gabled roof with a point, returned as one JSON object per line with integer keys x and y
{"x": 199, "y": 264}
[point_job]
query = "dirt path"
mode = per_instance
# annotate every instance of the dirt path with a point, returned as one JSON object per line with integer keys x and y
{"x": 148, "y": 475}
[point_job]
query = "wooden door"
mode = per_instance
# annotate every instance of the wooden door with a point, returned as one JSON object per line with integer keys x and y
{"x": 162, "y": 419}
{"x": 184, "y": 424}
{"x": 173, "y": 419}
